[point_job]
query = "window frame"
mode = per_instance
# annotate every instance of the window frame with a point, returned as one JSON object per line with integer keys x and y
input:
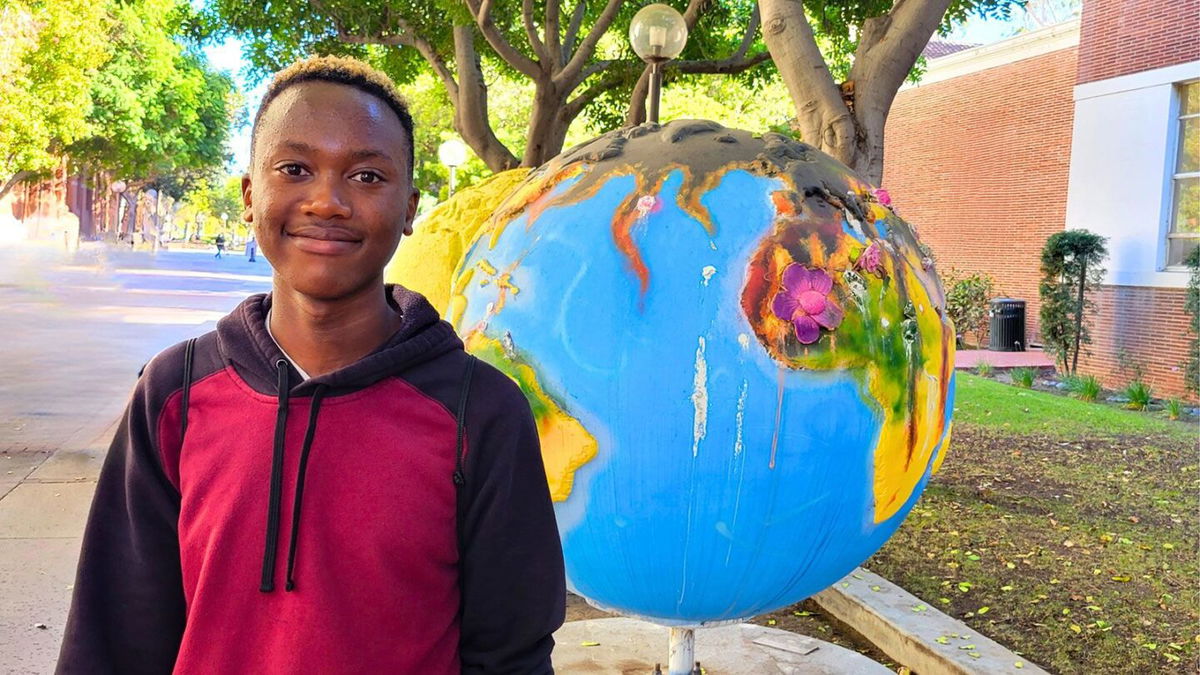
{"x": 1177, "y": 119}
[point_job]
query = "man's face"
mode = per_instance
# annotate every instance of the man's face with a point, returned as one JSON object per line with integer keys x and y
{"x": 329, "y": 192}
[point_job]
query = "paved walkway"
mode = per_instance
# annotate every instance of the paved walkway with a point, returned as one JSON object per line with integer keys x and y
{"x": 967, "y": 359}
{"x": 75, "y": 331}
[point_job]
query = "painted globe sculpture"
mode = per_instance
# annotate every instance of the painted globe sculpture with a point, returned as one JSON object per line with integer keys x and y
{"x": 737, "y": 355}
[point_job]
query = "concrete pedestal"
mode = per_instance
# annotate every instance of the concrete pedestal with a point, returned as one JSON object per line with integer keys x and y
{"x": 624, "y": 646}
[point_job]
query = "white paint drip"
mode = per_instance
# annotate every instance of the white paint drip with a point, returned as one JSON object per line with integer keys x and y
{"x": 700, "y": 399}
{"x": 741, "y": 418}
{"x": 708, "y": 273}
{"x": 744, "y": 340}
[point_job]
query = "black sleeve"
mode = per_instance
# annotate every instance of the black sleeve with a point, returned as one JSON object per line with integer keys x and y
{"x": 127, "y": 612}
{"x": 513, "y": 588}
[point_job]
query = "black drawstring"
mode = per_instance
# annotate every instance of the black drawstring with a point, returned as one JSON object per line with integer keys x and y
{"x": 460, "y": 479}
{"x": 308, "y": 440}
{"x": 268, "y": 570}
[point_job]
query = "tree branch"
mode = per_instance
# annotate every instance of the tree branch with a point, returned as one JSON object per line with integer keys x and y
{"x": 751, "y": 32}
{"x": 883, "y": 59}
{"x": 491, "y": 33}
{"x": 404, "y": 35}
{"x": 570, "y": 72}
{"x": 531, "y": 32}
{"x": 823, "y": 117}
{"x": 729, "y": 66}
{"x": 573, "y": 30}
{"x": 553, "y": 37}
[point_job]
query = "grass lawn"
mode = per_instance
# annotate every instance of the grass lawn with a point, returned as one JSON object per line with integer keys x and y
{"x": 1065, "y": 530}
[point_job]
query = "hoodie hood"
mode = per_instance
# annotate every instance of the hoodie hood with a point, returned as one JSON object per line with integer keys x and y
{"x": 245, "y": 344}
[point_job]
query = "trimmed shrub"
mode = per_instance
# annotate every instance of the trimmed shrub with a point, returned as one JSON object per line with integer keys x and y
{"x": 1071, "y": 269}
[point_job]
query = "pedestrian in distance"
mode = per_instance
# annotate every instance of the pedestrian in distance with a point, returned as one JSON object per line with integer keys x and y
{"x": 327, "y": 483}
{"x": 220, "y": 244}
{"x": 251, "y": 247}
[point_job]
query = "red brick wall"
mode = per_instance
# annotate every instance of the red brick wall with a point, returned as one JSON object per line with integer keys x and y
{"x": 1119, "y": 37}
{"x": 979, "y": 163}
{"x": 1139, "y": 327}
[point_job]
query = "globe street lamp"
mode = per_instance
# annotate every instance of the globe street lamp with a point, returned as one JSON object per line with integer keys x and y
{"x": 453, "y": 154}
{"x": 657, "y": 34}
{"x": 117, "y": 188}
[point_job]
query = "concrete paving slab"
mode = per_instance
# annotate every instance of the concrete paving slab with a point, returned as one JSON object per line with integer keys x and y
{"x": 907, "y": 629}
{"x": 36, "y": 576}
{"x": 16, "y": 466}
{"x": 623, "y": 646}
{"x": 45, "y": 510}
{"x": 70, "y": 466}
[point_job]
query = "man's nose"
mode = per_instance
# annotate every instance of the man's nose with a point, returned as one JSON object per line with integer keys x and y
{"x": 327, "y": 198}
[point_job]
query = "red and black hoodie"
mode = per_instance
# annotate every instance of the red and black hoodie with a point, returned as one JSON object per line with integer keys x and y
{"x": 389, "y": 517}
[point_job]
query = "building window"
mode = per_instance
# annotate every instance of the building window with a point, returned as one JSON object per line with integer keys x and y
{"x": 1184, "y": 232}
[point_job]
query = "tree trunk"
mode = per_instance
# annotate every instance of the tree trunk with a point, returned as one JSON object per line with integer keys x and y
{"x": 848, "y": 121}
{"x": 824, "y": 120}
{"x": 548, "y": 124}
{"x": 471, "y": 107}
{"x": 12, "y": 182}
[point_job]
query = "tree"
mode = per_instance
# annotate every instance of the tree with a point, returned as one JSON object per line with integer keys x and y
{"x": 967, "y": 301}
{"x": 1071, "y": 269}
{"x": 50, "y": 54}
{"x": 571, "y": 55}
{"x": 870, "y": 46}
{"x": 161, "y": 114}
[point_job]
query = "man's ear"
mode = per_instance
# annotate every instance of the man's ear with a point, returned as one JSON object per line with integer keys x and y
{"x": 413, "y": 200}
{"x": 247, "y": 202}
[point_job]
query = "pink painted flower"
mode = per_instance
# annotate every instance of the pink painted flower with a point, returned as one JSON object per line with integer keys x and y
{"x": 871, "y": 259}
{"x": 882, "y": 196}
{"x": 805, "y": 301}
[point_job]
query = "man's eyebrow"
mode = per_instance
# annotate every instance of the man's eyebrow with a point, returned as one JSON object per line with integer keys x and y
{"x": 357, "y": 155}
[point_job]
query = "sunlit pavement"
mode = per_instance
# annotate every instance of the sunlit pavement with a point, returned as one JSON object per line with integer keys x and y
{"x": 74, "y": 331}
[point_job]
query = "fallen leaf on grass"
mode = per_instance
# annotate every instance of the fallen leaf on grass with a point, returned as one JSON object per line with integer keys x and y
{"x": 1121, "y": 578}
{"x": 1076, "y": 629}
{"x": 983, "y": 610}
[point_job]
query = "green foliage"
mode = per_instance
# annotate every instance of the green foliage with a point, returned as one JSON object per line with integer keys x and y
{"x": 838, "y": 24}
{"x": 1085, "y": 387}
{"x": 159, "y": 108}
{"x": 1071, "y": 269}
{"x": 50, "y": 54}
{"x": 109, "y": 86}
{"x": 1139, "y": 395}
{"x": 1174, "y": 408}
{"x": 1192, "y": 307}
{"x": 983, "y": 369}
{"x": 1023, "y": 377}
{"x": 967, "y": 298}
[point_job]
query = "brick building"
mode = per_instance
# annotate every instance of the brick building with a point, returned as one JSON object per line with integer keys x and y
{"x": 1093, "y": 124}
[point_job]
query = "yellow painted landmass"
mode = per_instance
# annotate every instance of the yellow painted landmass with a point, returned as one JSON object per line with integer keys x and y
{"x": 908, "y": 438}
{"x": 426, "y": 261}
{"x": 566, "y": 444}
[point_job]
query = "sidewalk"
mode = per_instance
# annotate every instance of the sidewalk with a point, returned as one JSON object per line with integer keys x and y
{"x": 75, "y": 333}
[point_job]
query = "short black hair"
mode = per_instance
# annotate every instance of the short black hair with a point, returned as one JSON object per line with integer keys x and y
{"x": 338, "y": 70}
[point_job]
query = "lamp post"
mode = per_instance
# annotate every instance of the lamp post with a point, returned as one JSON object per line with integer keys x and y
{"x": 453, "y": 154}
{"x": 657, "y": 34}
{"x": 118, "y": 187}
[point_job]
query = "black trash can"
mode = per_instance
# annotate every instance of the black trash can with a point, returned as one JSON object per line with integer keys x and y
{"x": 1007, "y": 325}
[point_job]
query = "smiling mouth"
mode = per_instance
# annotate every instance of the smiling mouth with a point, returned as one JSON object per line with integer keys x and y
{"x": 324, "y": 241}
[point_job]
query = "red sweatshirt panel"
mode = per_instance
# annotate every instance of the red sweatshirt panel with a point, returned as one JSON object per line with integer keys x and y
{"x": 376, "y": 556}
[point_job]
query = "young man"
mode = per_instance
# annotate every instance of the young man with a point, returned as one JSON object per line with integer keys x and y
{"x": 327, "y": 483}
